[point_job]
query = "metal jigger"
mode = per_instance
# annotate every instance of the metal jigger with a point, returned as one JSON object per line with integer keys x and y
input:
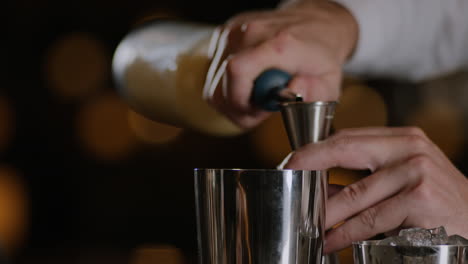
{"x": 307, "y": 122}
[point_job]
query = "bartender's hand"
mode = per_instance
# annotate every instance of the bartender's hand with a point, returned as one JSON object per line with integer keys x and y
{"x": 311, "y": 40}
{"x": 413, "y": 184}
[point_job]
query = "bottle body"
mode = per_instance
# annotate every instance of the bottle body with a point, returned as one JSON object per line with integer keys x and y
{"x": 160, "y": 71}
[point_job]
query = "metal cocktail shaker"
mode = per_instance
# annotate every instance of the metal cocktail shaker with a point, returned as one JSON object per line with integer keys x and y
{"x": 259, "y": 216}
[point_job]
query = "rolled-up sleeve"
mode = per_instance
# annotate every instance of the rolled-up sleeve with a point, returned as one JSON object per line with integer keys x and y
{"x": 409, "y": 39}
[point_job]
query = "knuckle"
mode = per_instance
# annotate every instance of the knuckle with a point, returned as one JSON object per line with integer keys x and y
{"x": 422, "y": 193}
{"x": 234, "y": 67}
{"x": 421, "y": 163}
{"x": 245, "y": 123}
{"x": 253, "y": 28}
{"x": 282, "y": 41}
{"x": 368, "y": 218}
{"x": 416, "y": 131}
{"x": 353, "y": 192}
{"x": 417, "y": 142}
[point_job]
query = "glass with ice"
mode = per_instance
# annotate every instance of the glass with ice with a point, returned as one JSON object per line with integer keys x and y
{"x": 414, "y": 245}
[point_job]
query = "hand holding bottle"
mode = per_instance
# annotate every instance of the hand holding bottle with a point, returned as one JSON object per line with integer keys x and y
{"x": 309, "y": 40}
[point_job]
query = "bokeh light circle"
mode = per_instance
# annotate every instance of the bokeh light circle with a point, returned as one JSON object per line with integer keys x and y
{"x": 76, "y": 65}
{"x": 443, "y": 124}
{"x": 360, "y": 106}
{"x": 13, "y": 209}
{"x": 104, "y": 130}
{"x": 158, "y": 254}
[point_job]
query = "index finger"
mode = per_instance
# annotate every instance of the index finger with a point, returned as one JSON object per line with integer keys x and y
{"x": 358, "y": 152}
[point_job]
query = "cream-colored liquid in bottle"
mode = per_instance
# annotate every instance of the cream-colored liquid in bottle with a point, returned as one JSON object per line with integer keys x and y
{"x": 160, "y": 71}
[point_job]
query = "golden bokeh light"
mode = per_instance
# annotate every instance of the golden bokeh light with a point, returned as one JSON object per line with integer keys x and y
{"x": 76, "y": 65}
{"x": 150, "y": 131}
{"x": 158, "y": 254}
{"x": 271, "y": 141}
{"x": 443, "y": 124}
{"x": 13, "y": 209}
{"x": 104, "y": 130}
{"x": 6, "y": 123}
{"x": 360, "y": 106}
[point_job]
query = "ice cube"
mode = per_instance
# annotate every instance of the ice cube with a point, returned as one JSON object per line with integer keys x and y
{"x": 394, "y": 241}
{"x": 417, "y": 236}
{"x": 420, "y": 237}
{"x": 438, "y": 236}
{"x": 457, "y": 240}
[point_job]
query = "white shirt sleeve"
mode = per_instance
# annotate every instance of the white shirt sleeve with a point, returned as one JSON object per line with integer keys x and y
{"x": 409, "y": 39}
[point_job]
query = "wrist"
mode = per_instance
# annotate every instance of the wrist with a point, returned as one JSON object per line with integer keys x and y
{"x": 338, "y": 25}
{"x": 348, "y": 31}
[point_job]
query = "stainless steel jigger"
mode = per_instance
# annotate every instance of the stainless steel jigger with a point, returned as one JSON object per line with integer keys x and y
{"x": 307, "y": 122}
{"x": 267, "y": 216}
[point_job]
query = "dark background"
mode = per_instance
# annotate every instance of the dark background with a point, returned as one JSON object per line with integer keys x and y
{"x": 82, "y": 208}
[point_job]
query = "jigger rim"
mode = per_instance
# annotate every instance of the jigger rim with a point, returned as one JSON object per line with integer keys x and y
{"x": 314, "y": 103}
{"x": 251, "y": 170}
{"x": 373, "y": 243}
